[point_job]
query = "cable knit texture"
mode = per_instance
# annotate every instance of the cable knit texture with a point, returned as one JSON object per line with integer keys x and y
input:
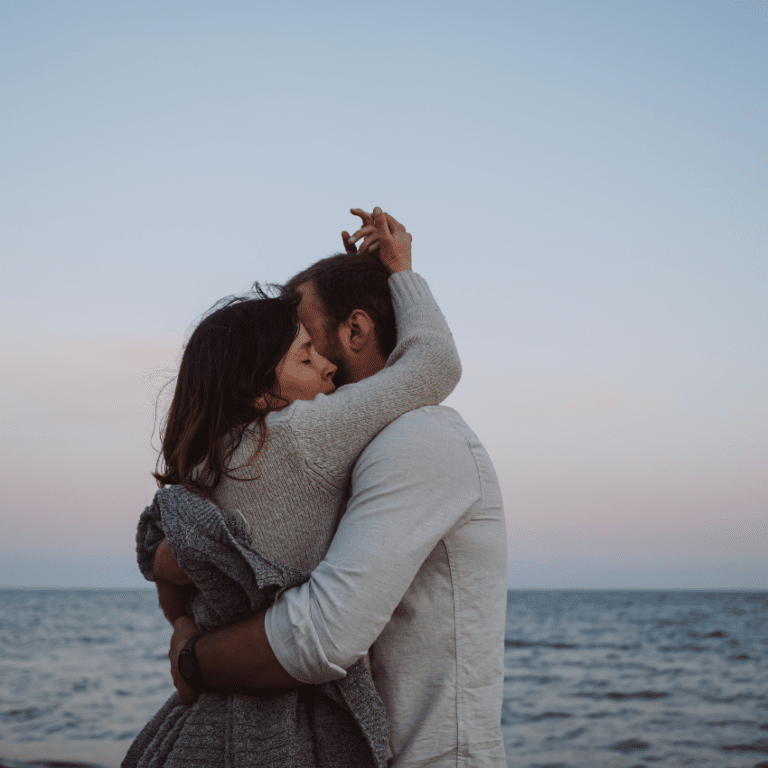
{"x": 268, "y": 533}
{"x": 340, "y": 724}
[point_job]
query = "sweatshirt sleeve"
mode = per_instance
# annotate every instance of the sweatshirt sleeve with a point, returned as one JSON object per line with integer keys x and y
{"x": 423, "y": 369}
{"x": 411, "y": 488}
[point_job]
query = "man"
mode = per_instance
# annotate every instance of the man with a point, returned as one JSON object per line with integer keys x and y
{"x": 416, "y": 571}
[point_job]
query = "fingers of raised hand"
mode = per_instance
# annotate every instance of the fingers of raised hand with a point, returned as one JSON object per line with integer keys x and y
{"x": 394, "y": 224}
{"x": 377, "y": 226}
{"x": 349, "y": 247}
{"x": 370, "y": 244}
{"x": 382, "y": 223}
{"x": 369, "y": 233}
{"x": 364, "y": 215}
{"x": 370, "y": 229}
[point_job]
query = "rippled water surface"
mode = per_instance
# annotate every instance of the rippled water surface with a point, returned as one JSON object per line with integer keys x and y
{"x": 80, "y": 671}
{"x": 621, "y": 679}
{"x": 593, "y": 679}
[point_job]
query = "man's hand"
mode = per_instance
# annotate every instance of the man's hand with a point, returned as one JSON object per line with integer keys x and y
{"x": 184, "y": 629}
{"x": 234, "y": 658}
{"x": 384, "y": 235}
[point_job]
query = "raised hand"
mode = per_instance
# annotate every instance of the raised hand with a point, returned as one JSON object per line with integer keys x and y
{"x": 349, "y": 245}
{"x": 384, "y": 236}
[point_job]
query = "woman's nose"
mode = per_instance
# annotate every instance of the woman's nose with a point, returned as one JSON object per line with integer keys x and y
{"x": 330, "y": 371}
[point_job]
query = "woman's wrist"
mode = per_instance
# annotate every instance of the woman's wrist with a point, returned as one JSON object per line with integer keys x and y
{"x": 401, "y": 265}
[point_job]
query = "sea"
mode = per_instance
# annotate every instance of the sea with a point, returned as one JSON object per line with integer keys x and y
{"x": 593, "y": 679}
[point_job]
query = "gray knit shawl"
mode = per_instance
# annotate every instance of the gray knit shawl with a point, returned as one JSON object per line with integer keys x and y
{"x": 340, "y": 724}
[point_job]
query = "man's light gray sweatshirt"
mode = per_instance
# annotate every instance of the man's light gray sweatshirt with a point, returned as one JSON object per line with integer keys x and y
{"x": 417, "y": 570}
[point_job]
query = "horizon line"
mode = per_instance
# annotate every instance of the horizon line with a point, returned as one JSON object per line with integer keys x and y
{"x": 509, "y": 589}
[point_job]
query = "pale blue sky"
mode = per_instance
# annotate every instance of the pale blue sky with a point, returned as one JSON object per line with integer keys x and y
{"x": 586, "y": 187}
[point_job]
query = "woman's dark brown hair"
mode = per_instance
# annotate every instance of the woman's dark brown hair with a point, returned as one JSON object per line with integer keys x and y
{"x": 228, "y": 362}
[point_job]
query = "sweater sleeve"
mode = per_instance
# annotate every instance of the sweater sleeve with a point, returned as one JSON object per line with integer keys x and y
{"x": 423, "y": 369}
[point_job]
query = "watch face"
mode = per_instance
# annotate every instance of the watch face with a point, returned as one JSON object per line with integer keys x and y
{"x": 186, "y": 666}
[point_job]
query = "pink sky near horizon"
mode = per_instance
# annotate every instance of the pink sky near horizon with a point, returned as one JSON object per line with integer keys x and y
{"x": 566, "y": 512}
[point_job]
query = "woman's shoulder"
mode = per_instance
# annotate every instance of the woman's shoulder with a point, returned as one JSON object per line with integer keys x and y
{"x": 299, "y": 416}
{"x": 279, "y": 435}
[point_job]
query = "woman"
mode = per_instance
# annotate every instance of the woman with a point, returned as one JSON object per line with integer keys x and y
{"x": 254, "y": 428}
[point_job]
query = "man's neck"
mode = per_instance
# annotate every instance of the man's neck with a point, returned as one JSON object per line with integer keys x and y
{"x": 362, "y": 369}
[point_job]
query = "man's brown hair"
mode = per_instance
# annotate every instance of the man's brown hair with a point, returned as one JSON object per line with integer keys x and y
{"x": 344, "y": 283}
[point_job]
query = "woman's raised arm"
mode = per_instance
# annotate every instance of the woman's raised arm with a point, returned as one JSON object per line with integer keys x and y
{"x": 423, "y": 369}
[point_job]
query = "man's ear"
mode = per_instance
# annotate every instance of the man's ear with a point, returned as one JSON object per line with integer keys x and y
{"x": 358, "y": 331}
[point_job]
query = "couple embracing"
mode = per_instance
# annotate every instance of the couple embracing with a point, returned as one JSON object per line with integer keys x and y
{"x": 327, "y": 541}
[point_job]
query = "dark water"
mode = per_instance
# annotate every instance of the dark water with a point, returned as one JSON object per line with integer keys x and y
{"x": 593, "y": 679}
{"x": 622, "y": 679}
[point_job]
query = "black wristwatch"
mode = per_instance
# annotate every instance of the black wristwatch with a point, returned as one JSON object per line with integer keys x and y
{"x": 189, "y": 667}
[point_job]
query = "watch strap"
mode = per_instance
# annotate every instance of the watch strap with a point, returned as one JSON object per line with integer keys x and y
{"x": 189, "y": 667}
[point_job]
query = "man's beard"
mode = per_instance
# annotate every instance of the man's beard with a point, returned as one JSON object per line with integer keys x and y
{"x": 341, "y": 377}
{"x": 335, "y": 353}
